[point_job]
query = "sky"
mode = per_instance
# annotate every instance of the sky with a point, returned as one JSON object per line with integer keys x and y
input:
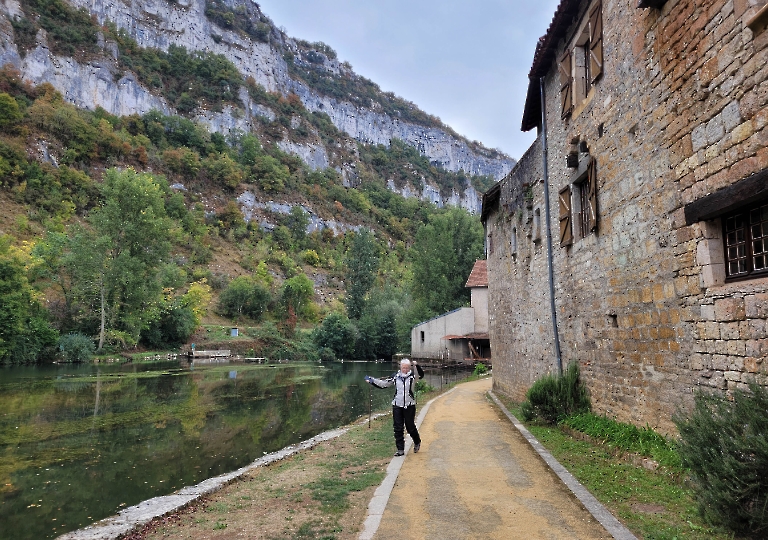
{"x": 466, "y": 62}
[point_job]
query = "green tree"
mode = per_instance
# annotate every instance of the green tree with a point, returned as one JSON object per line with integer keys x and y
{"x": 296, "y": 295}
{"x": 223, "y": 170}
{"x": 115, "y": 264}
{"x": 443, "y": 254}
{"x": 244, "y": 296}
{"x": 338, "y": 334}
{"x": 362, "y": 263}
{"x": 25, "y": 334}
{"x": 269, "y": 173}
{"x": 297, "y": 222}
{"x": 9, "y": 111}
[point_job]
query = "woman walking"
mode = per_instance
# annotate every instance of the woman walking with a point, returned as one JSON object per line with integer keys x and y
{"x": 404, "y": 403}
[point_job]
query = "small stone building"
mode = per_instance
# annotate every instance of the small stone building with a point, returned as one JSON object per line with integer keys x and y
{"x": 656, "y": 151}
{"x": 462, "y": 334}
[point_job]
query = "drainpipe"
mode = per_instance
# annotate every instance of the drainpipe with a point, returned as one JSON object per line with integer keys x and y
{"x": 549, "y": 228}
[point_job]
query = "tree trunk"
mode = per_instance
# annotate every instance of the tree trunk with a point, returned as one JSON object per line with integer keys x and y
{"x": 103, "y": 316}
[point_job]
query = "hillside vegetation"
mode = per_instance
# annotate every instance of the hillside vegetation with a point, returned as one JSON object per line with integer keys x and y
{"x": 124, "y": 232}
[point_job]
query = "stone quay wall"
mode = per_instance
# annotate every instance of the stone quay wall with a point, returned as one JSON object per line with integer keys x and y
{"x": 680, "y": 112}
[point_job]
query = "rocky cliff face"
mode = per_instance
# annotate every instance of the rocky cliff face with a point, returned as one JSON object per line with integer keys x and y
{"x": 158, "y": 24}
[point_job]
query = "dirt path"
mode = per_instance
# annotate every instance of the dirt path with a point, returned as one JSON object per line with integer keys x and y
{"x": 477, "y": 477}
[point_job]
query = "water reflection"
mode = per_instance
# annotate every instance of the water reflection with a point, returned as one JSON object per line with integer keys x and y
{"x": 79, "y": 443}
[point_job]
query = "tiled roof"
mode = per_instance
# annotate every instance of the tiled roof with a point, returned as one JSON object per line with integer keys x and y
{"x": 544, "y": 57}
{"x": 478, "y": 277}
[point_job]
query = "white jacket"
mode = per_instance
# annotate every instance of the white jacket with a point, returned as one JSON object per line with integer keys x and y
{"x": 404, "y": 386}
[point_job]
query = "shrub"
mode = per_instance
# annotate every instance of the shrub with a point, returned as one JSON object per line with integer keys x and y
{"x": 311, "y": 257}
{"x": 554, "y": 397}
{"x": 725, "y": 445}
{"x": 176, "y": 324}
{"x": 244, "y": 296}
{"x": 423, "y": 387}
{"x": 480, "y": 369}
{"x": 76, "y": 348}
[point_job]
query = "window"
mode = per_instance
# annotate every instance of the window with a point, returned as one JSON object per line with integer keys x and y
{"x": 566, "y": 229}
{"x": 578, "y": 203}
{"x": 422, "y": 336}
{"x": 588, "y": 201}
{"x": 581, "y": 65}
{"x": 745, "y": 234}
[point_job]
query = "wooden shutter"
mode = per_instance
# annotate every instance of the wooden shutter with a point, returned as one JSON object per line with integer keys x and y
{"x": 596, "y": 42}
{"x": 566, "y": 84}
{"x": 566, "y": 226}
{"x": 591, "y": 186}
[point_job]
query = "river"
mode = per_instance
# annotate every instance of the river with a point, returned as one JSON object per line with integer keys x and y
{"x": 79, "y": 443}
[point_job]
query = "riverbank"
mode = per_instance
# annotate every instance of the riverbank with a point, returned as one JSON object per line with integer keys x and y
{"x": 322, "y": 492}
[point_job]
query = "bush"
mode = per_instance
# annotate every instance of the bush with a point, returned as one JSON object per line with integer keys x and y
{"x": 554, "y": 397}
{"x": 422, "y": 387}
{"x": 76, "y": 348}
{"x": 311, "y": 257}
{"x": 480, "y": 369}
{"x": 244, "y": 296}
{"x": 725, "y": 445}
{"x": 174, "y": 327}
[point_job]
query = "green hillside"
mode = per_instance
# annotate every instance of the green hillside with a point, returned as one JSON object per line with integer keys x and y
{"x": 126, "y": 234}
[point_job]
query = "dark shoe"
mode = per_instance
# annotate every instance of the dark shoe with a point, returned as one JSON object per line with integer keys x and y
{"x": 399, "y": 453}
{"x": 416, "y": 448}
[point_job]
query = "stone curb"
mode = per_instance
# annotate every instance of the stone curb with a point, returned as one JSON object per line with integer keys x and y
{"x": 593, "y": 506}
{"x": 381, "y": 496}
{"x": 133, "y": 517}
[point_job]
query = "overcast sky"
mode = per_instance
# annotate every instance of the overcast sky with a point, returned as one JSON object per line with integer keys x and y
{"x": 466, "y": 62}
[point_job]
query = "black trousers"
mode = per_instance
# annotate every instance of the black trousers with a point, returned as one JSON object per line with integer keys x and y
{"x": 405, "y": 416}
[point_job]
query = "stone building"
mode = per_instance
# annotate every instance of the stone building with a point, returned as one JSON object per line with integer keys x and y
{"x": 656, "y": 152}
{"x": 460, "y": 335}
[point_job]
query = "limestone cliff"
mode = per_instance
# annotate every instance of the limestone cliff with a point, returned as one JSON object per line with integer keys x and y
{"x": 160, "y": 23}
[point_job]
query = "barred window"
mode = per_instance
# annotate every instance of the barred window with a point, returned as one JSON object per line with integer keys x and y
{"x": 745, "y": 234}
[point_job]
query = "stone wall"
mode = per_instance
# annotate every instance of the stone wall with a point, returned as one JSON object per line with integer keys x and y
{"x": 680, "y": 112}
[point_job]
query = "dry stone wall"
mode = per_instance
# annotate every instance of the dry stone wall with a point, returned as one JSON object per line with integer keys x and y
{"x": 680, "y": 112}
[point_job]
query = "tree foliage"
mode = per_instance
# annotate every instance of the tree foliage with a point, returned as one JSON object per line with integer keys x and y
{"x": 443, "y": 254}
{"x": 338, "y": 334}
{"x": 25, "y": 334}
{"x": 115, "y": 263}
{"x": 724, "y": 443}
{"x": 362, "y": 264}
{"x": 245, "y": 296}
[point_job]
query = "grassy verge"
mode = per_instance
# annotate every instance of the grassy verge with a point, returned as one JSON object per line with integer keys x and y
{"x": 654, "y": 504}
{"x": 321, "y": 493}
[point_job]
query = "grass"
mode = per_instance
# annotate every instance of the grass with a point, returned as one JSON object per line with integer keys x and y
{"x": 654, "y": 504}
{"x": 321, "y": 493}
{"x": 627, "y": 437}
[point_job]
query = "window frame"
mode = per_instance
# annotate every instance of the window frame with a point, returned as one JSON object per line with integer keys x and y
{"x": 749, "y": 240}
{"x": 581, "y": 64}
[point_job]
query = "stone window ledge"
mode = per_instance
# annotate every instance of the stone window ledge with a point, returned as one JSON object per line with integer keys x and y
{"x": 752, "y": 286}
